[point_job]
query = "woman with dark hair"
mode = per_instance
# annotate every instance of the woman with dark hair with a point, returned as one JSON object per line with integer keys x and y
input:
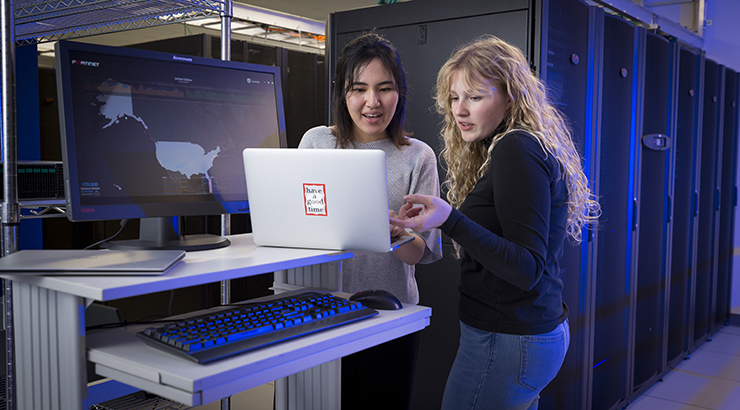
{"x": 354, "y": 60}
{"x": 516, "y": 190}
{"x": 369, "y": 105}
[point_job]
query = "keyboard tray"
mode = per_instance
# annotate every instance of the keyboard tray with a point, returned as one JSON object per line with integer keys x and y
{"x": 236, "y": 329}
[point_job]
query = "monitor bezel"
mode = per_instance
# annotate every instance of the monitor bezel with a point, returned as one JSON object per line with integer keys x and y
{"x": 68, "y": 139}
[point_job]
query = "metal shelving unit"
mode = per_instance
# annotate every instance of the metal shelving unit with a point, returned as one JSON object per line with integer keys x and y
{"x": 26, "y": 22}
{"x": 39, "y": 21}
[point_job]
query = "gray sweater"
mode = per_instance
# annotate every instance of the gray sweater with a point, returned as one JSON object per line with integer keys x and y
{"x": 412, "y": 169}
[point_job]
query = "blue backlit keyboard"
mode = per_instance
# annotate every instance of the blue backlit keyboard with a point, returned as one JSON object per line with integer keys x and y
{"x": 234, "y": 330}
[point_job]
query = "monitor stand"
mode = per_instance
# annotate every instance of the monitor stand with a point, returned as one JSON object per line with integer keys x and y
{"x": 160, "y": 233}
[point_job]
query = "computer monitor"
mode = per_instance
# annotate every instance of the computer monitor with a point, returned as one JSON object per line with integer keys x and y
{"x": 154, "y": 136}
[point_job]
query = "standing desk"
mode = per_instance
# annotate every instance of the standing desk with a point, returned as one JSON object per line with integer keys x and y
{"x": 51, "y": 347}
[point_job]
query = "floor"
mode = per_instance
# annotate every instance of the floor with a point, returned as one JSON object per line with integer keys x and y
{"x": 708, "y": 379}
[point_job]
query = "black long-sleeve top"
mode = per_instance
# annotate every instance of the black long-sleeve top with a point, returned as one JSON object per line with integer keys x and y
{"x": 511, "y": 228}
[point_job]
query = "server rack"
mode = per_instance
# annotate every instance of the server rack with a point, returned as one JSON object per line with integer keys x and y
{"x": 426, "y": 33}
{"x": 613, "y": 294}
{"x": 569, "y": 69}
{"x": 727, "y": 198}
{"x": 685, "y": 205}
{"x": 656, "y": 158}
{"x": 706, "y": 268}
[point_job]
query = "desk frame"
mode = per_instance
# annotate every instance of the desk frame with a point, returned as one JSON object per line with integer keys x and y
{"x": 51, "y": 343}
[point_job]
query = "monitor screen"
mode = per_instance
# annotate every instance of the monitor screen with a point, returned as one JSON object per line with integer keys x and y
{"x": 158, "y": 135}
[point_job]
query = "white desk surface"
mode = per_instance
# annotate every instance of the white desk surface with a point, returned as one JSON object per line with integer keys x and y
{"x": 241, "y": 258}
{"x": 122, "y": 356}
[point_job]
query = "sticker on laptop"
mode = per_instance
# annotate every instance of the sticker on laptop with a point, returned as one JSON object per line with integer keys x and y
{"x": 315, "y": 199}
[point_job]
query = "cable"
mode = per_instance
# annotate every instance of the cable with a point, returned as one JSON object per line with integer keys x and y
{"x": 124, "y": 224}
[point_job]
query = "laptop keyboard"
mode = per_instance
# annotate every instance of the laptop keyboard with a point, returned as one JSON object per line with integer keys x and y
{"x": 224, "y": 333}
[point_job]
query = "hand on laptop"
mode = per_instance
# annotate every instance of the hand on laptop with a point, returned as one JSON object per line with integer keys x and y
{"x": 421, "y": 218}
{"x": 411, "y": 252}
{"x": 396, "y": 231}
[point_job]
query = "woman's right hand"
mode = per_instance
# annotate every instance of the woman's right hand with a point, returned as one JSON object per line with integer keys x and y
{"x": 433, "y": 212}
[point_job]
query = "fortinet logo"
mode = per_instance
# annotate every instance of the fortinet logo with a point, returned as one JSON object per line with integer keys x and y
{"x": 178, "y": 58}
{"x": 87, "y": 63}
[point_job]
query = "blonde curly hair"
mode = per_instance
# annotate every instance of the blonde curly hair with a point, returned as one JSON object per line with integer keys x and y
{"x": 482, "y": 63}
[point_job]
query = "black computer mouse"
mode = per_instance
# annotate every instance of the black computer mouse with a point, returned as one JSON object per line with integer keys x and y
{"x": 377, "y": 299}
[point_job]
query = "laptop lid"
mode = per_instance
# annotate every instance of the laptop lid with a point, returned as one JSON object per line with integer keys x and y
{"x": 75, "y": 262}
{"x": 333, "y": 199}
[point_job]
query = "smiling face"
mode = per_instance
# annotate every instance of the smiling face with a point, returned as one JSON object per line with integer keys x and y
{"x": 371, "y": 101}
{"x": 477, "y": 112}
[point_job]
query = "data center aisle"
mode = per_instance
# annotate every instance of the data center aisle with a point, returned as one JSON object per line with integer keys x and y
{"x": 708, "y": 379}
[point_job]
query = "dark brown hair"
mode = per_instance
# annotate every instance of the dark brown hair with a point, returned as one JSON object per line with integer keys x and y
{"x": 356, "y": 55}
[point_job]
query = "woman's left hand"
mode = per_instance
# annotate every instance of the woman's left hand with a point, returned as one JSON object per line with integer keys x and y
{"x": 396, "y": 231}
{"x": 411, "y": 252}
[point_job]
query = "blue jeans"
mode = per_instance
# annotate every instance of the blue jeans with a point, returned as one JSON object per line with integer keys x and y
{"x": 503, "y": 372}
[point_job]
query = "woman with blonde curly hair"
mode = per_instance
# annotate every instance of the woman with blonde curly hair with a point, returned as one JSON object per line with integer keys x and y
{"x": 516, "y": 189}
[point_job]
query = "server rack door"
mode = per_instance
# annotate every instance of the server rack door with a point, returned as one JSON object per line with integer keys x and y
{"x": 445, "y": 27}
{"x": 303, "y": 93}
{"x": 725, "y": 245}
{"x": 656, "y": 143}
{"x": 439, "y": 342}
{"x": 683, "y": 246}
{"x": 708, "y": 203}
{"x": 567, "y": 56}
{"x": 615, "y": 187}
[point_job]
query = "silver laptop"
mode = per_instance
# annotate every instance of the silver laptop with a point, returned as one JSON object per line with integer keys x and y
{"x": 333, "y": 199}
{"x": 89, "y": 262}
